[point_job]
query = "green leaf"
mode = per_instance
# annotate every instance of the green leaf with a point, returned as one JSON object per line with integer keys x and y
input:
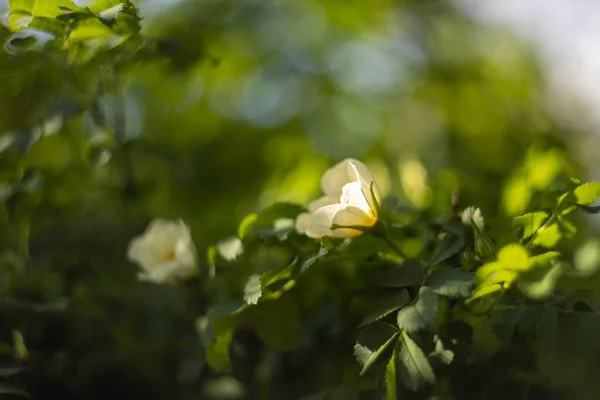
{"x": 587, "y": 193}
{"x": 587, "y": 257}
{"x": 451, "y": 283}
{"x": 547, "y": 335}
{"x": 217, "y": 329}
{"x": 267, "y": 217}
{"x": 246, "y": 226}
{"x": 548, "y": 236}
{"x": 409, "y": 273}
{"x": 52, "y": 152}
{"x": 217, "y": 352}
{"x": 485, "y": 291}
{"x": 113, "y": 12}
{"x": 542, "y": 260}
{"x": 379, "y": 354}
{"x": 514, "y": 256}
{"x": 252, "y": 289}
{"x": 413, "y": 365}
{"x": 277, "y": 322}
{"x": 230, "y": 249}
{"x": 391, "y": 378}
{"x": 273, "y": 276}
{"x": 212, "y": 255}
{"x": 449, "y": 246}
{"x": 373, "y": 344}
{"x": 510, "y": 320}
{"x": 225, "y": 387}
{"x": 89, "y": 28}
{"x": 421, "y": 314}
{"x": 385, "y": 305}
{"x": 14, "y": 391}
{"x": 319, "y": 256}
{"x": 10, "y": 371}
{"x": 531, "y": 222}
{"x": 528, "y": 322}
{"x": 19, "y": 346}
{"x": 41, "y": 8}
{"x": 440, "y": 352}
{"x": 540, "y": 284}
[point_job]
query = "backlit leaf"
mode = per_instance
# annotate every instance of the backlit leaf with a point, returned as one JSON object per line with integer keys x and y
{"x": 587, "y": 193}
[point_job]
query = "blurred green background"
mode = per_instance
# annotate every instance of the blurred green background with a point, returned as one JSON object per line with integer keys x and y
{"x": 248, "y": 103}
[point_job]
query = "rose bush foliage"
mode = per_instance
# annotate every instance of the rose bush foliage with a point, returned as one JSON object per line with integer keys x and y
{"x": 357, "y": 294}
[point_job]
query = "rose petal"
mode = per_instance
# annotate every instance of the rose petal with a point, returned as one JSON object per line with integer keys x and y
{"x": 365, "y": 177}
{"x": 352, "y": 216}
{"x": 321, "y": 221}
{"x": 352, "y": 195}
{"x": 322, "y": 202}
{"x": 303, "y": 221}
{"x": 336, "y": 177}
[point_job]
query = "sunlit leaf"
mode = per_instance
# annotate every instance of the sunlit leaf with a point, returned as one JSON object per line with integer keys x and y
{"x": 531, "y": 222}
{"x": 373, "y": 344}
{"x": 246, "y": 226}
{"x": 413, "y": 364}
{"x": 230, "y": 249}
{"x": 587, "y": 193}
{"x": 516, "y": 196}
{"x": 486, "y": 290}
{"x": 548, "y": 236}
{"x": 492, "y": 271}
{"x": 391, "y": 378}
{"x": 252, "y": 290}
{"x": 379, "y": 354}
{"x": 421, "y": 314}
{"x": 42, "y": 8}
{"x": 451, "y": 283}
{"x": 440, "y": 352}
{"x": 514, "y": 256}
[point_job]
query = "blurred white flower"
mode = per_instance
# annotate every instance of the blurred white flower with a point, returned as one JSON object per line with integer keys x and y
{"x": 347, "y": 202}
{"x": 165, "y": 252}
{"x": 474, "y": 214}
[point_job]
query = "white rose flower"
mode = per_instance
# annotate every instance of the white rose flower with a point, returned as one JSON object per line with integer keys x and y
{"x": 347, "y": 202}
{"x": 474, "y": 214}
{"x": 165, "y": 252}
